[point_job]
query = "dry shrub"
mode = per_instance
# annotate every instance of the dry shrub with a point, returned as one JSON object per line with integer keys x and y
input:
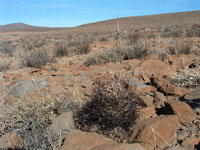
{"x": 4, "y": 65}
{"x": 7, "y": 48}
{"x": 103, "y": 39}
{"x": 118, "y": 54}
{"x": 61, "y": 50}
{"x": 36, "y": 59}
{"x": 187, "y": 78}
{"x": 193, "y": 32}
{"x": 110, "y": 55}
{"x": 180, "y": 47}
{"x": 82, "y": 49}
{"x": 133, "y": 38}
{"x": 79, "y": 46}
{"x": 112, "y": 110}
{"x": 136, "y": 52}
{"x": 172, "y": 32}
{"x": 32, "y": 119}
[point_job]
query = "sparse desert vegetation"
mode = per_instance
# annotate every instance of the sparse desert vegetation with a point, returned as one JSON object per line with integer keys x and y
{"x": 92, "y": 81}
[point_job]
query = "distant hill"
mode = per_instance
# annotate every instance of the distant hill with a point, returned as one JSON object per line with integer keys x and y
{"x": 180, "y": 18}
{"x": 150, "y": 21}
{"x": 23, "y": 27}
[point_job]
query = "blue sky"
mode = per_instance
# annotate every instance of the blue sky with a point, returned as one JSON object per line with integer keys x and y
{"x": 68, "y": 13}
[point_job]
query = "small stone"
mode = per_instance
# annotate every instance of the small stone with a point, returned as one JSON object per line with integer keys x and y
{"x": 181, "y": 134}
{"x": 11, "y": 140}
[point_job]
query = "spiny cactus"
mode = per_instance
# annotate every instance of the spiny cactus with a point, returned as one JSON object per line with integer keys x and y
{"x": 112, "y": 105}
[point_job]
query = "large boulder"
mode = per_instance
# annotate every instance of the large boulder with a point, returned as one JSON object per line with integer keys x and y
{"x": 193, "y": 98}
{"x": 155, "y": 132}
{"x": 165, "y": 86}
{"x": 182, "y": 110}
{"x": 134, "y": 146}
{"x": 156, "y": 67}
{"x": 21, "y": 89}
{"x": 61, "y": 125}
{"x": 78, "y": 140}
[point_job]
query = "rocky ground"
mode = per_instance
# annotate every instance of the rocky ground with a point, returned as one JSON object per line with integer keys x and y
{"x": 39, "y": 106}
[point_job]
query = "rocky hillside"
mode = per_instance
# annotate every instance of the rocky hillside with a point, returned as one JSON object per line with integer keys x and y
{"x": 88, "y": 90}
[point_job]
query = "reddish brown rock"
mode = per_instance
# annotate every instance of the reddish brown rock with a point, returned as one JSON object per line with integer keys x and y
{"x": 166, "y": 87}
{"x": 64, "y": 122}
{"x": 155, "y": 67}
{"x": 155, "y": 131}
{"x": 6, "y": 76}
{"x": 78, "y": 140}
{"x": 183, "y": 111}
{"x": 145, "y": 113}
{"x": 159, "y": 99}
{"x": 145, "y": 78}
{"x": 11, "y": 140}
{"x": 134, "y": 146}
{"x": 147, "y": 100}
{"x": 83, "y": 68}
{"x": 191, "y": 143}
{"x": 139, "y": 89}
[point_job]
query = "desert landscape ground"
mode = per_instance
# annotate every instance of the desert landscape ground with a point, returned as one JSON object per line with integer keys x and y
{"x": 123, "y": 84}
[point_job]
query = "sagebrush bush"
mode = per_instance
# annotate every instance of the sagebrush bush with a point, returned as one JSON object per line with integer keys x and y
{"x": 4, "y": 65}
{"x": 62, "y": 50}
{"x": 193, "y": 32}
{"x": 133, "y": 38}
{"x": 36, "y": 59}
{"x": 110, "y": 55}
{"x": 7, "y": 48}
{"x": 172, "y": 32}
{"x": 181, "y": 47}
{"x": 112, "y": 106}
{"x": 136, "y": 52}
{"x": 82, "y": 49}
{"x": 103, "y": 39}
{"x": 118, "y": 54}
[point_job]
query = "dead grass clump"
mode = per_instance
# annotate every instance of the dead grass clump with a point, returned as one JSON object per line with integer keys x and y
{"x": 111, "y": 111}
{"x": 36, "y": 59}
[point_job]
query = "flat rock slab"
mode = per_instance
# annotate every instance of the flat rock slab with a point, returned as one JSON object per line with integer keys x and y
{"x": 134, "y": 146}
{"x": 22, "y": 88}
{"x": 183, "y": 111}
{"x": 155, "y": 131}
{"x": 62, "y": 124}
{"x": 78, "y": 140}
{"x": 193, "y": 98}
